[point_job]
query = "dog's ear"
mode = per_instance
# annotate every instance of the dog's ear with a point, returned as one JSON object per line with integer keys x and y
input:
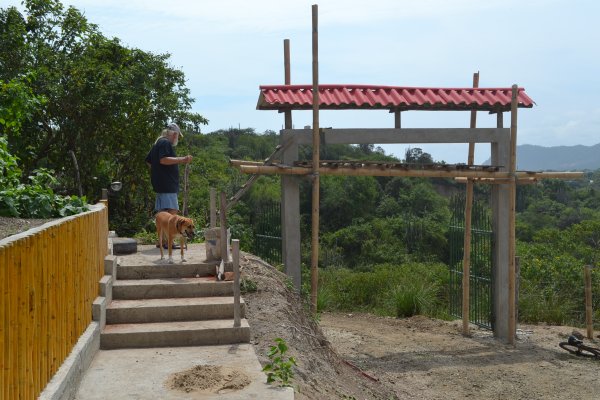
{"x": 178, "y": 224}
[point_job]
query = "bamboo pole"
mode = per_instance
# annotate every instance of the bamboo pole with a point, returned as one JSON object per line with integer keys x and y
{"x": 235, "y": 246}
{"x": 512, "y": 323}
{"x": 237, "y": 163}
{"x": 420, "y": 173}
{"x": 223, "y": 220}
{"x": 314, "y": 259}
{"x": 498, "y": 181}
{"x": 588, "y": 301}
{"x": 467, "y": 237}
{"x": 287, "y": 80}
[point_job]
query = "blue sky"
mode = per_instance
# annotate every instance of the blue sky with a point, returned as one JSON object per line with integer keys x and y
{"x": 228, "y": 48}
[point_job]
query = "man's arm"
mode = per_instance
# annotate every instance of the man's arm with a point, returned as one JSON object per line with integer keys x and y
{"x": 176, "y": 160}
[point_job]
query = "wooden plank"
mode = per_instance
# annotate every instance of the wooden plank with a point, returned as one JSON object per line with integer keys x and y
{"x": 4, "y": 321}
{"x": 20, "y": 317}
{"x": 13, "y": 345}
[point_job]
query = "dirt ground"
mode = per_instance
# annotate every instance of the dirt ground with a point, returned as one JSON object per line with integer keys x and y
{"x": 424, "y": 358}
{"x": 12, "y": 226}
{"x": 210, "y": 379}
{"x": 361, "y": 356}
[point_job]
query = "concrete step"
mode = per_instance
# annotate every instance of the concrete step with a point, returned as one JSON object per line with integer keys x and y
{"x": 170, "y": 288}
{"x": 165, "y": 310}
{"x": 174, "y": 334}
{"x": 164, "y": 270}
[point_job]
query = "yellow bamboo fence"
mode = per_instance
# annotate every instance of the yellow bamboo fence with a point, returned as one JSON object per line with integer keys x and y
{"x": 48, "y": 281}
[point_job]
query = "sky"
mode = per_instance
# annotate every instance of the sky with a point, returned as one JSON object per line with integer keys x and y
{"x": 228, "y": 48}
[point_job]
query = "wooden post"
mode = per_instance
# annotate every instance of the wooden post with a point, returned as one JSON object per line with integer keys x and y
{"x": 512, "y": 323}
{"x": 223, "y": 218}
{"x": 397, "y": 119}
{"x": 235, "y": 247}
{"x": 314, "y": 259}
{"x": 186, "y": 187}
{"x": 213, "y": 208}
{"x": 588, "y": 301}
{"x": 466, "y": 283}
{"x": 517, "y": 285}
{"x": 287, "y": 80}
{"x": 104, "y": 198}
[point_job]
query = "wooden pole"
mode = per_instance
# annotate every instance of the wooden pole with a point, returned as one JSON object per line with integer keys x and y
{"x": 287, "y": 80}
{"x": 498, "y": 181}
{"x": 314, "y": 259}
{"x": 213, "y": 208}
{"x": 186, "y": 187}
{"x": 588, "y": 301}
{"x": 418, "y": 173}
{"x": 235, "y": 248}
{"x": 466, "y": 283}
{"x": 223, "y": 218}
{"x": 512, "y": 323}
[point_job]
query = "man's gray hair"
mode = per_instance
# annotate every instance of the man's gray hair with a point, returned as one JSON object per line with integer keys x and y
{"x": 169, "y": 131}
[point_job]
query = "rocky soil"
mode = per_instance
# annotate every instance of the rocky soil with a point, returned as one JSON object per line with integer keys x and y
{"x": 12, "y": 226}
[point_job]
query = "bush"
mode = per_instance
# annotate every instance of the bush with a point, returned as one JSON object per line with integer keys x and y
{"x": 395, "y": 290}
{"x": 36, "y": 199}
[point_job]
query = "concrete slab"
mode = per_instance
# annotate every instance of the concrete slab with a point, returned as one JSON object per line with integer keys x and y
{"x": 203, "y": 286}
{"x": 150, "y": 255}
{"x": 143, "y": 373}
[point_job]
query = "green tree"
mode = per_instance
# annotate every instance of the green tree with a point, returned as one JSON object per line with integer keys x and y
{"x": 104, "y": 102}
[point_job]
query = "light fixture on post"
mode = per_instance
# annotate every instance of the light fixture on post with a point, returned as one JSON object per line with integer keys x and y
{"x": 114, "y": 186}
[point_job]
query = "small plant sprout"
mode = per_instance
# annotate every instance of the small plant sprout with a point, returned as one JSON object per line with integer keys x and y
{"x": 279, "y": 369}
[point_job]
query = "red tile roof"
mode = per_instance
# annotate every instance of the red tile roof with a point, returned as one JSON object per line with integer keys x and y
{"x": 299, "y": 97}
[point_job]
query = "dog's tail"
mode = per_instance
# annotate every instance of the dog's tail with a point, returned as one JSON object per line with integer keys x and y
{"x": 221, "y": 271}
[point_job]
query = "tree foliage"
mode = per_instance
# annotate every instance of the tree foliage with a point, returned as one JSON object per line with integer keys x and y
{"x": 89, "y": 94}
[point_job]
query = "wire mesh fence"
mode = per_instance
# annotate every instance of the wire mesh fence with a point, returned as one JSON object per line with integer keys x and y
{"x": 480, "y": 280}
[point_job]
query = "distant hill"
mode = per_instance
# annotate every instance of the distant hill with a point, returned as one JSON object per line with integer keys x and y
{"x": 558, "y": 158}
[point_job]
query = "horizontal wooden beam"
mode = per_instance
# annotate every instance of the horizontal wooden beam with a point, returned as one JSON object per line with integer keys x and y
{"x": 403, "y": 135}
{"x": 376, "y": 171}
{"x": 498, "y": 181}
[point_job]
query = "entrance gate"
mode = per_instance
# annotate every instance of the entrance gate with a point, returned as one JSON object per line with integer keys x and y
{"x": 481, "y": 283}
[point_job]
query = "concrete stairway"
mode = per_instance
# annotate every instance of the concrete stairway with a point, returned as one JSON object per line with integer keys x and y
{"x": 170, "y": 305}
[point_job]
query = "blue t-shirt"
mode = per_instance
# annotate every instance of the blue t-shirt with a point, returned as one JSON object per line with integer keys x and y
{"x": 164, "y": 178}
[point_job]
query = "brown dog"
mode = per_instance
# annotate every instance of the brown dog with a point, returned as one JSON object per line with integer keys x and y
{"x": 171, "y": 226}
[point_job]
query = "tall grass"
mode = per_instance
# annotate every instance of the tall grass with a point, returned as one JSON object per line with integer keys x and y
{"x": 394, "y": 290}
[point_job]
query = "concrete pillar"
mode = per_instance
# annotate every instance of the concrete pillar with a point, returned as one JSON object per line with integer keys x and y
{"x": 500, "y": 155}
{"x": 290, "y": 216}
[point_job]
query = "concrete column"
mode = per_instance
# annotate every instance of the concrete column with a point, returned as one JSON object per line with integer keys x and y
{"x": 500, "y": 155}
{"x": 290, "y": 215}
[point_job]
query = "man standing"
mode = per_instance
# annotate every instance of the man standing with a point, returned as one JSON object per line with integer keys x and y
{"x": 164, "y": 169}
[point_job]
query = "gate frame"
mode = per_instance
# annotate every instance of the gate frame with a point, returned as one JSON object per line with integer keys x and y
{"x": 499, "y": 140}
